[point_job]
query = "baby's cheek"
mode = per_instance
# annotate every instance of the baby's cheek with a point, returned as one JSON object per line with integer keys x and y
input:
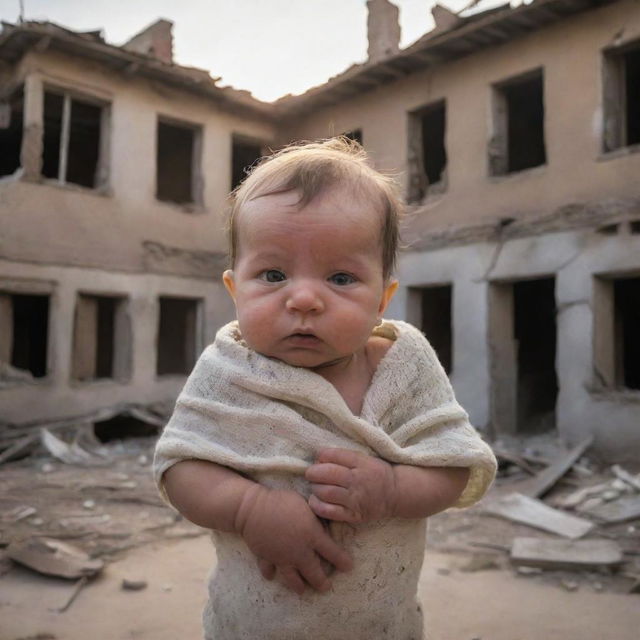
{"x": 256, "y": 327}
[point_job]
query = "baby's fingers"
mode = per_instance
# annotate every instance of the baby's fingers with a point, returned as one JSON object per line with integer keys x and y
{"x": 314, "y": 574}
{"x": 329, "y": 473}
{"x": 291, "y": 579}
{"x": 267, "y": 569}
{"x": 330, "y": 511}
{"x": 333, "y": 553}
{"x": 331, "y": 493}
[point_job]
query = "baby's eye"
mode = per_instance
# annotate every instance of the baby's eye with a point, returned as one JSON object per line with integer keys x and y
{"x": 273, "y": 275}
{"x": 342, "y": 279}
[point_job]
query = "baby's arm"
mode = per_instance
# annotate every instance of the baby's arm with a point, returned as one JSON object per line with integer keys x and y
{"x": 353, "y": 487}
{"x": 278, "y": 526}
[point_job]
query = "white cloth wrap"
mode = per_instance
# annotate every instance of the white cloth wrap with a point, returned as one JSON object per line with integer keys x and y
{"x": 268, "y": 420}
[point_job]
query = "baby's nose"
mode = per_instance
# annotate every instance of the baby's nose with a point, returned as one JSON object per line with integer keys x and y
{"x": 304, "y": 297}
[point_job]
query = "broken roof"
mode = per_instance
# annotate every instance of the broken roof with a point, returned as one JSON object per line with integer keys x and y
{"x": 16, "y": 40}
{"x": 475, "y": 28}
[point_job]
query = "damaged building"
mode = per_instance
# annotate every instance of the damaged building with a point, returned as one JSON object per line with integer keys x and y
{"x": 514, "y": 131}
{"x": 115, "y": 167}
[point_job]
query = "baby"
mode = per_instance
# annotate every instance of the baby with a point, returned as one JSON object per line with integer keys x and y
{"x": 313, "y": 437}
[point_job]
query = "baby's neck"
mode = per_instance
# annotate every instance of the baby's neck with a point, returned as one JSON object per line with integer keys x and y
{"x": 352, "y": 375}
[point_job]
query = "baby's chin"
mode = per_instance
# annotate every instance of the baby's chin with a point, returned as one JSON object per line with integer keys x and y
{"x": 305, "y": 361}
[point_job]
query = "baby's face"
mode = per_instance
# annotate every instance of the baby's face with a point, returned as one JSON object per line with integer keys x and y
{"x": 308, "y": 284}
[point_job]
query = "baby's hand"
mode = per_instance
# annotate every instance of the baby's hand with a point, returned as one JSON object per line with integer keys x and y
{"x": 288, "y": 539}
{"x": 351, "y": 487}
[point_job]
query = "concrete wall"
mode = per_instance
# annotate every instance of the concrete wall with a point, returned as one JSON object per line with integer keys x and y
{"x": 75, "y": 240}
{"x": 69, "y": 240}
{"x": 584, "y": 406}
{"x": 58, "y": 395}
{"x": 576, "y": 170}
{"x": 576, "y": 173}
{"x": 57, "y": 224}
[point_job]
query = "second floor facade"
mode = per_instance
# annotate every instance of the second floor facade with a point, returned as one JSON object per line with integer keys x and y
{"x": 106, "y": 167}
{"x": 543, "y": 114}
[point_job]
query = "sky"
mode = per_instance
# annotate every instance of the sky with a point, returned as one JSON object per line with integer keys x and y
{"x": 269, "y": 47}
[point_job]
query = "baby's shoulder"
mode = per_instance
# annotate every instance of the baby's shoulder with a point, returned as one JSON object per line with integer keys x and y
{"x": 377, "y": 348}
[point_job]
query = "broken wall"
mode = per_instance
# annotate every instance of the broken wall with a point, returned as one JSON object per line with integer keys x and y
{"x": 72, "y": 243}
{"x": 577, "y": 259}
{"x": 54, "y": 224}
{"x": 485, "y": 231}
{"x": 576, "y": 169}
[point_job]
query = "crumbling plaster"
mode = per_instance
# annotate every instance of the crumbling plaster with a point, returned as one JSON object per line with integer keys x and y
{"x": 573, "y": 257}
{"x": 54, "y": 224}
{"x": 576, "y": 170}
{"x": 58, "y": 395}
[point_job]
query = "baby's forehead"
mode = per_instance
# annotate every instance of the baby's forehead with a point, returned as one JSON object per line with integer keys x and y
{"x": 335, "y": 220}
{"x": 347, "y": 201}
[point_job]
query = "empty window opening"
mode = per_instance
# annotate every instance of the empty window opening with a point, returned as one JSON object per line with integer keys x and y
{"x": 427, "y": 152}
{"x": 101, "y": 344}
{"x": 355, "y": 135}
{"x": 518, "y": 114}
{"x": 11, "y": 133}
{"x": 123, "y": 427}
{"x": 522, "y": 347}
{"x": 25, "y": 330}
{"x": 535, "y": 334}
{"x": 72, "y": 139}
{"x": 627, "y": 332}
{"x": 608, "y": 229}
{"x": 622, "y": 97}
{"x": 436, "y": 321}
{"x": 244, "y": 154}
{"x": 177, "y": 163}
{"x": 635, "y": 226}
{"x": 177, "y": 335}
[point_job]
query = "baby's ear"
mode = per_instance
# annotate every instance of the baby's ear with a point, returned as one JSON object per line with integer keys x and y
{"x": 387, "y": 294}
{"x": 229, "y": 283}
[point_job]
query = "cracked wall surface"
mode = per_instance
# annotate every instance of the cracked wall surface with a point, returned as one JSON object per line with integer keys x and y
{"x": 587, "y": 402}
{"x": 575, "y": 218}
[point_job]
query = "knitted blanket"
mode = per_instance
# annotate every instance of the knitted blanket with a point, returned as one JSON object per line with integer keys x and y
{"x": 268, "y": 420}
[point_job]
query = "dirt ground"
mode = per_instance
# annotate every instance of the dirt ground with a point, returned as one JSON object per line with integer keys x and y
{"x": 468, "y": 588}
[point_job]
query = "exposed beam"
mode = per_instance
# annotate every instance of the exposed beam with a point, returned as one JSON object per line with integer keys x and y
{"x": 43, "y": 44}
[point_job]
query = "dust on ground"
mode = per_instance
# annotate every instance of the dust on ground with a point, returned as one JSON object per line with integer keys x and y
{"x": 110, "y": 509}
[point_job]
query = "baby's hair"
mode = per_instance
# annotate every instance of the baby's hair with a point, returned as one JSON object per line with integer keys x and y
{"x": 313, "y": 167}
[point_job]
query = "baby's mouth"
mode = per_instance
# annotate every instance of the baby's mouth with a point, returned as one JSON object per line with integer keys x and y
{"x": 303, "y": 337}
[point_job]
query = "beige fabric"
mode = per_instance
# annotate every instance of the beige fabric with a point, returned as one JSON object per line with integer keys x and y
{"x": 267, "y": 419}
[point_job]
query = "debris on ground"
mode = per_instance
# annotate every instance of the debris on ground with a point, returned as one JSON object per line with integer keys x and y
{"x": 565, "y": 554}
{"x": 480, "y": 562}
{"x": 106, "y": 509}
{"x": 72, "y": 453}
{"x": 621, "y": 510}
{"x": 18, "y": 441}
{"x": 545, "y": 480}
{"x": 594, "y": 510}
{"x": 54, "y": 558}
{"x": 133, "y": 585}
{"x": 74, "y": 594}
{"x": 535, "y": 513}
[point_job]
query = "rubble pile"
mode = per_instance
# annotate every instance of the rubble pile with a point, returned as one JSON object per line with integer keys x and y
{"x": 75, "y": 504}
{"x": 71, "y": 511}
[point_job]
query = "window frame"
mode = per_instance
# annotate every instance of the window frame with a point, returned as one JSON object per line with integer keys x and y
{"x": 498, "y": 148}
{"x": 196, "y": 202}
{"x": 102, "y": 175}
{"x": 416, "y": 157}
{"x": 614, "y": 113}
{"x": 122, "y": 339}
